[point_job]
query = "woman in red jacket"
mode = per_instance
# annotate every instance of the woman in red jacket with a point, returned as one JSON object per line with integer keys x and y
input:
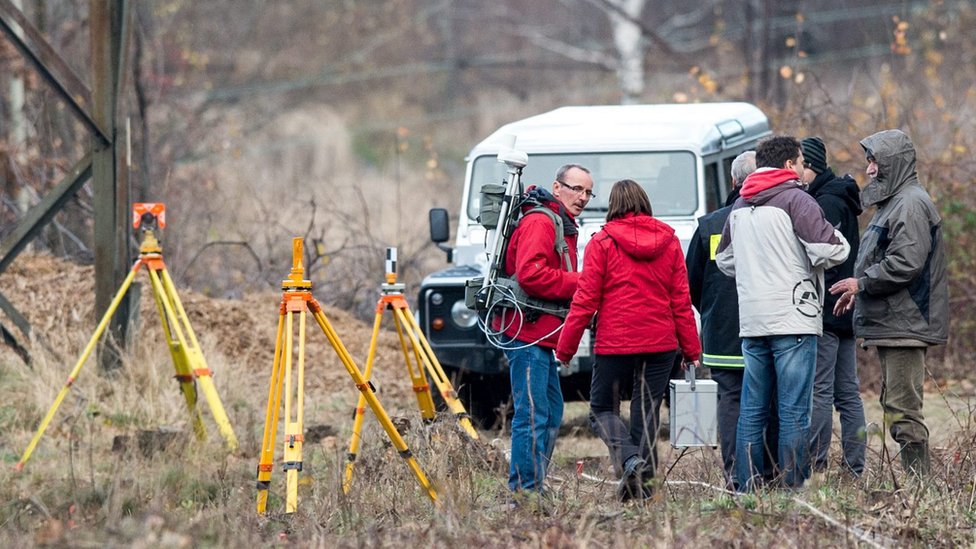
{"x": 634, "y": 275}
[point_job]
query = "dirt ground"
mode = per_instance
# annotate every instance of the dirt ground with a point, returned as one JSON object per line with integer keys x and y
{"x": 57, "y": 298}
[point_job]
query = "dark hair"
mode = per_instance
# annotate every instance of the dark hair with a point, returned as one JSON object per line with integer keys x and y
{"x": 561, "y": 172}
{"x": 773, "y": 152}
{"x": 626, "y": 197}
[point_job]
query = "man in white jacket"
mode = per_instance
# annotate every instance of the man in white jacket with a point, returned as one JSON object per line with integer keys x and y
{"x": 777, "y": 243}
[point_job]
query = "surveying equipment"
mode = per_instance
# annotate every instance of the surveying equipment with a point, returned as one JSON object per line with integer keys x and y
{"x": 412, "y": 341}
{"x": 501, "y": 209}
{"x": 191, "y": 367}
{"x": 297, "y": 300}
{"x": 499, "y": 236}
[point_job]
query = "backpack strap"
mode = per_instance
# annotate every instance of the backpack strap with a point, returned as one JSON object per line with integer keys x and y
{"x": 562, "y": 248}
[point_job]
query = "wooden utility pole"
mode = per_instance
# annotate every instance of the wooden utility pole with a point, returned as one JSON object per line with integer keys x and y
{"x": 98, "y": 111}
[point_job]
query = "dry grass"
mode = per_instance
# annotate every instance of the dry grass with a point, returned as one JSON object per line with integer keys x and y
{"x": 75, "y": 491}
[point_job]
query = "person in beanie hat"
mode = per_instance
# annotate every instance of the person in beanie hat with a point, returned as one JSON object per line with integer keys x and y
{"x": 835, "y": 383}
{"x": 814, "y": 155}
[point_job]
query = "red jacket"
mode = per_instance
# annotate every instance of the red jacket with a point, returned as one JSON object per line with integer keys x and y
{"x": 634, "y": 275}
{"x": 541, "y": 272}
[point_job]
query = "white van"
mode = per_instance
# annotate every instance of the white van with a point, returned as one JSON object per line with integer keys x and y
{"x": 680, "y": 154}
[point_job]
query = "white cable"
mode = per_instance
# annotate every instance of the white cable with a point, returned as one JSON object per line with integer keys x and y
{"x": 511, "y": 303}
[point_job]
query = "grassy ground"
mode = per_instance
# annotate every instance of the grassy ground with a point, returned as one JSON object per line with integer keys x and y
{"x": 77, "y": 491}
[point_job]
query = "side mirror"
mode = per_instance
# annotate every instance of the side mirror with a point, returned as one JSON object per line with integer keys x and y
{"x": 440, "y": 230}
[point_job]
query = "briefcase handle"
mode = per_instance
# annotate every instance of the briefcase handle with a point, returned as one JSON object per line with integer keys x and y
{"x": 690, "y": 374}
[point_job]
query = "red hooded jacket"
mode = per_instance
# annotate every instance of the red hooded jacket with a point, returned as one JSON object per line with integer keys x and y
{"x": 634, "y": 275}
{"x": 541, "y": 272}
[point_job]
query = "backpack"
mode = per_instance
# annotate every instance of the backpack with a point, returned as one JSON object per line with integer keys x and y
{"x": 492, "y": 197}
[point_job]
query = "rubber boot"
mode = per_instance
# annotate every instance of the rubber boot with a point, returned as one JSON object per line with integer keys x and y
{"x": 915, "y": 458}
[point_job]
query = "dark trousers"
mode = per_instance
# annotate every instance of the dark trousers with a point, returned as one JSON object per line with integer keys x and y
{"x": 648, "y": 374}
{"x": 902, "y": 376}
{"x": 729, "y": 381}
{"x": 835, "y": 385}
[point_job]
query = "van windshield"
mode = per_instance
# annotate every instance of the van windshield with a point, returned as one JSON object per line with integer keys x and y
{"x": 669, "y": 178}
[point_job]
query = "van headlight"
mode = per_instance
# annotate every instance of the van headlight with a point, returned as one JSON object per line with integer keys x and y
{"x": 462, "y": 315}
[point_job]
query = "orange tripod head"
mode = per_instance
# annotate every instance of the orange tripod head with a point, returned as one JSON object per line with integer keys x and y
{"x": 149, "y": 215}
{"x": 296, "y": 279}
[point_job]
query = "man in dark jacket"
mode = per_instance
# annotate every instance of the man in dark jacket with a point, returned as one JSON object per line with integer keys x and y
{"x": 835, "y": 383}
{"x": 713, "y": 295}
{"x": 899, "y": 287}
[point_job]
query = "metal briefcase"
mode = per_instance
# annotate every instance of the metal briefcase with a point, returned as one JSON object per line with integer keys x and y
{"x": 694, "y": 411}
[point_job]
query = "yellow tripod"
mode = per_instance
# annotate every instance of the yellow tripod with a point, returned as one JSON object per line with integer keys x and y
{"x": 412, "y": 342}
{"x": 297, "y": 300}
{"x": 191, "y": 367}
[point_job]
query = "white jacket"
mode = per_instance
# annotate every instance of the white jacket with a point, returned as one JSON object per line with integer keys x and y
{"x": 777, "y": 244}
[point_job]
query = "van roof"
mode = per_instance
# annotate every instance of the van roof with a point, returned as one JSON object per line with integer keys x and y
{"x": 698, "y": 127}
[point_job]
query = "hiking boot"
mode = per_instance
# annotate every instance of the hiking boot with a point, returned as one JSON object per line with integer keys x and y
{"x": 915, "y": 458}
{"x": 630, "y": 486}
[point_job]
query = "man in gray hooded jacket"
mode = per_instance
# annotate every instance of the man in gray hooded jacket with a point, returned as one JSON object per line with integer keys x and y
{"x": 899, "y": 287}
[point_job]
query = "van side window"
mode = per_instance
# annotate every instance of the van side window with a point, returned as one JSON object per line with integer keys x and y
{"x": 713, "y": 188}
{"x": 726, "y": 177}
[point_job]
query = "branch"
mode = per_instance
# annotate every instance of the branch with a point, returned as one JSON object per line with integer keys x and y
{"x": 568, "y": 50}
{"x": 241, "y": 243}
{"x": 647, "y": 32}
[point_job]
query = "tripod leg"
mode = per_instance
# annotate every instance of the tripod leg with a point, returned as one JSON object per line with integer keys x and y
{"x": 294, "y": 437}
{"x": 437, "y": 374}
{"x": 366, "y": 390}
{"x": 178, "y": 351}
{"x": 199, "y": 366}
{"x": 99, "y": 330}
{"x": 357, "y": 423}
{"x": 266, "y": 463}
{"x": 415, "y": 370}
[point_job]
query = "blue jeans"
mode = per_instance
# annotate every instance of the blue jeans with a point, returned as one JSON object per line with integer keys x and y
{"x": 538, "y": 402}
{"x": 784, "y": 365}
{"x": 729, "y": 381}
{"x": 835, "y": 385}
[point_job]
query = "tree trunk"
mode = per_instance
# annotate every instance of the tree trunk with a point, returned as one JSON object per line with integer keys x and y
{"x": 629, "y": 42}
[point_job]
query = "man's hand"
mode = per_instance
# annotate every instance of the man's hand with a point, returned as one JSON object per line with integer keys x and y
{"x": 848, "y": 289}
{"x": 695, "y": 363}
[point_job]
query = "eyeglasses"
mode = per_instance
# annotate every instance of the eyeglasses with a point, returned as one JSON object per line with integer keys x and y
{"x": 578, "y": 189}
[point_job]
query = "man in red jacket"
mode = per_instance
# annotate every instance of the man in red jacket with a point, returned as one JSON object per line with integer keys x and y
{"x": 541, "y": 272}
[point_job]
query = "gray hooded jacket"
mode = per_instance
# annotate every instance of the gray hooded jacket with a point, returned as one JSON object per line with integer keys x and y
{"x": 901, "y": 265}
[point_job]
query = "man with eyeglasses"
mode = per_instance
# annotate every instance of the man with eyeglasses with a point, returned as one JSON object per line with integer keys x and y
{"x": 541, "y": 271}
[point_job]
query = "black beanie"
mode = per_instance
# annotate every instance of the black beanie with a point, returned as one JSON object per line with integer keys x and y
{"x": 814, "y": 154}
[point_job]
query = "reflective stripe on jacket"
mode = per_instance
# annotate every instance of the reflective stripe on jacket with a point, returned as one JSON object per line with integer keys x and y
{"x": 714, "y": 294}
